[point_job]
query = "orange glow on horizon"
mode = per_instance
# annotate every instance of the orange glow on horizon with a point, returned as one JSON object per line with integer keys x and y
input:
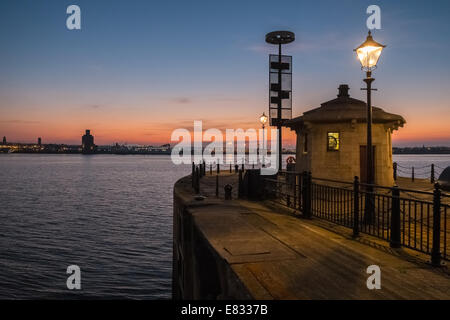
{"x": 151, "y": 133}
{"x": 142, "y": 125}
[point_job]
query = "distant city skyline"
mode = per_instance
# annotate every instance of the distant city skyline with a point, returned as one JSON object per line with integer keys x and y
{"x": 138, "y": 70}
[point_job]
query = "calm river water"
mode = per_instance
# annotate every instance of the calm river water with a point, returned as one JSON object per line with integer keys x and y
{"x": 110, "y": 215}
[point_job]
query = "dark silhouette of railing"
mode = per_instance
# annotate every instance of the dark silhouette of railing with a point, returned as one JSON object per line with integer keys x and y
{"x": 415, "y": 219}
{"x": 202, "y": 169}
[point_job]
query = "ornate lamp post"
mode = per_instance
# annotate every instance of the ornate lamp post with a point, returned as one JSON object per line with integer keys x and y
{"x": 263, "y": 119}
{"x": 368, "y": 54}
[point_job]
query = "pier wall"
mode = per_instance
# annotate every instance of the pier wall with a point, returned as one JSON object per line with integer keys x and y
{"x": 198, "y": 271}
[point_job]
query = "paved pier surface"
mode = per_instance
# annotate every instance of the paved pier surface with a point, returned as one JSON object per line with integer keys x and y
{"x": 279, "y": 256}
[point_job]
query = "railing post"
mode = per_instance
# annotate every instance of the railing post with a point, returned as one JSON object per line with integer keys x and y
{"x": 231, "y": 171}
{"x": 299, "y": 177}
{"x": 395, "y": 170}
{"x": 240, "y": 187}
{"x": 218, "y": 167}
{"x": 243, "y": 168}
{"x": 197, "y": 180}
{"x": 204, "y": 168}
{"x": 210, "y": 169}
{"x": 264, "y": 190}
{"x": 193, "y": 175}
{"x": 395, "y": 239}
{"x": 355, "y": 207}
{"x": 217, "y": 186}
{"x": 432, "y": 173}
{"x": 304, "y": 178}
{"x": 309, "y": 194}
{"x": 306, "y": 194}
{"x": 436, "y": 250}
{"x": 412, "y": 174}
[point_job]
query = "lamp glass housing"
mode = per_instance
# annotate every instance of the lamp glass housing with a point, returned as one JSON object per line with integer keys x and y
{"x": 263, "y": 119}
{"x": 369, "y": 52}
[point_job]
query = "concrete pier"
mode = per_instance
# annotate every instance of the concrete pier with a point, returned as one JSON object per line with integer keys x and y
{"x": 237, "y": 249}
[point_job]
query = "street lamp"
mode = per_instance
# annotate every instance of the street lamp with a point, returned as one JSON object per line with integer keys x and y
{"x": 263, "y": 119}
{"x": 368, "y": 54}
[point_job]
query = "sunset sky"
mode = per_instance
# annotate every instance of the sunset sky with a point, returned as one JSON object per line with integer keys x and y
{"x": 139, "y": 69}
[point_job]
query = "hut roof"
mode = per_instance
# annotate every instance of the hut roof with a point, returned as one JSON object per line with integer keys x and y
{"x": 343, "y": 109}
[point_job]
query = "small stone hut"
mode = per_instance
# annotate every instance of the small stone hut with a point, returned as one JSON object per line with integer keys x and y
{"x": 331, "y": 140}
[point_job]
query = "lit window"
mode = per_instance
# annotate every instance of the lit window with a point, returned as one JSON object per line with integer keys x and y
{"x": 333, "y": 141}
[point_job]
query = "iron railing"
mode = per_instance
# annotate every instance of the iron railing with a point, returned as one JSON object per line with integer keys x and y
{"x": 415, "y": 219}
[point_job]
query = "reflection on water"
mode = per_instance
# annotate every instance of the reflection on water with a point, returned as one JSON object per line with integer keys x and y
{"x": 421, "y": 163}
{"x": 110, "y": 215}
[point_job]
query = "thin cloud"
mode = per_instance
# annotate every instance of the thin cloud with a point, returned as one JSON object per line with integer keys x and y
{"x": 182, "y": 100}
{"x": 94, "y": 106}
{"x": 20, "y": 121}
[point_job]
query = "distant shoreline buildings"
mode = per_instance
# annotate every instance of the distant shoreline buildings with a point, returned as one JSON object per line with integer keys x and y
{"x": 89, "y": 147}
{"x": 421, "y": 150}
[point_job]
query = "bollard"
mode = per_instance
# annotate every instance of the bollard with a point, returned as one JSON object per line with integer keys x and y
{"x": 395, "y": 170}
{"x": 355, "y": 207}
{"x": 395, "y": 241}
{"x": 436, "y": 250}
{"x": 217, "y": 186}
{"x": 253, "y": 166}
{"x": 432, "y": 173}
{"x": 243, "y": 166}
{"x": 412, "y": 174}
{"x": 228, "y": 188}
{"x": 236, "y": 168}
{"x": 294, "y": 195}
{"x": 218, "y": 167}
{"x": 210, "y": 169}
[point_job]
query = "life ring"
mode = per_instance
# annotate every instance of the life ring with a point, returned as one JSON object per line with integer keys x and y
{"x": 290, "y": 160}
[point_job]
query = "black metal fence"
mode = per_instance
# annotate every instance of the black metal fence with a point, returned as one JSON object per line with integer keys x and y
{"x": 415, "y": 219}
{"x": 222, "y": 188}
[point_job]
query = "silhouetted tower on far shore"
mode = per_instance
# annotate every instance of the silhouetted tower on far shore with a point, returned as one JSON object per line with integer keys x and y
{"x": 4, "y": 140}
{"x": 39, "y": 141}
{"x": 87, "y": 143}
